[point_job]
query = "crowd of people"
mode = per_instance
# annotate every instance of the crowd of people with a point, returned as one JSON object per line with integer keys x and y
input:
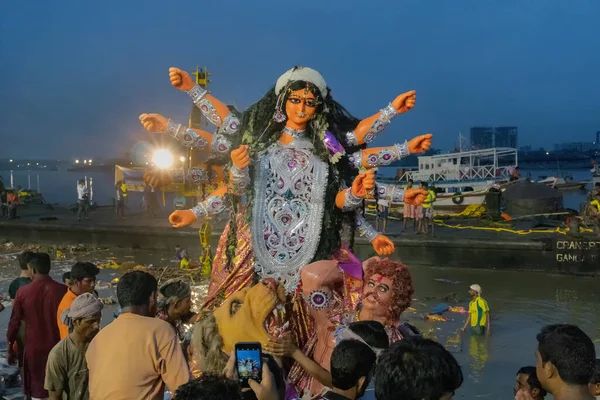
{"x": 54, "y": 334}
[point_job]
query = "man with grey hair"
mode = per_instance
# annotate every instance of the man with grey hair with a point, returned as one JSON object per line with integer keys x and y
{"x": 66, "y": 370}
{"x": 479, "y": 313}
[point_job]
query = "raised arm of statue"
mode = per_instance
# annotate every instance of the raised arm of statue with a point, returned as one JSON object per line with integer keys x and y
{"x": 370, "y": 127}
{"x": 351, "y": 198}
{"x": 382, "y": 156}
{"x": 397, "y": 194}
{"x": 213, "y": 205}
{"x": 197, "y": 139}
{"x": 213, "y": 109}
{"x": 381, "y": 243}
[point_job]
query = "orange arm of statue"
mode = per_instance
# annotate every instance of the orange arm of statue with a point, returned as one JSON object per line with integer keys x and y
{"x": 196, "y": 139}
{"x": 370, "y": 127}
{"x": 382, "y": 156}
{"x": 198, "y": 175}
{"x": 212, "y": 108}
{"x": 213, "y": 205}
{"x": 350, "y": 199}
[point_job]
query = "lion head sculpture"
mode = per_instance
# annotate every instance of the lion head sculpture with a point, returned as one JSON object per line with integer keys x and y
{"x": 253, "y": 314}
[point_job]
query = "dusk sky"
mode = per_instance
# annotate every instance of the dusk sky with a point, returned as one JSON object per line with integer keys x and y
{"x": 75, "y": 75}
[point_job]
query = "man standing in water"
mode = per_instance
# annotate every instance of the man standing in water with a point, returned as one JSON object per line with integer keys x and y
{"x": 36, "y": 304}
{"x": 479, "y": 313}
{"x": 82, "y": 199}
{"x": 66, "y": 370}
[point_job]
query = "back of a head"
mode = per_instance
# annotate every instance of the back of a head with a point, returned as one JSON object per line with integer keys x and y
{"x": 82, "y": 270}
{"x": 419, "y": 369}
{"x": 372, "y": 332}
{"x": 350, "y": 361}
{"x": 209, "y": 387}
{"x": 135, "y": 288}
{"x": 40, "y": 263}
{"x": 24, "y": 258}
{"x": 570, "y": 350}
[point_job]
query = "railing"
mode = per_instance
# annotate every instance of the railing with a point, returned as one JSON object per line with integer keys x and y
{"x": 464, "y": 173}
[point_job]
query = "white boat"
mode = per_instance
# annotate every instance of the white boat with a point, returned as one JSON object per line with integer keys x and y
{"x": 463, "y": 178}
{"x": 561, "y": 183}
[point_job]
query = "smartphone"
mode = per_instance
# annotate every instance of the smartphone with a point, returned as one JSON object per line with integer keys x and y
{"x": 248, "y": 358}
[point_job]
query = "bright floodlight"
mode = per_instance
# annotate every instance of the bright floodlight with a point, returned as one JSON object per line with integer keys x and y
{"x": 162, "y": 158}
{"x": 182, "y": 159}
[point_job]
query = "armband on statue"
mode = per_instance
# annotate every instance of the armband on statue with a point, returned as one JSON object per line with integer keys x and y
{"x": 209, "y": 207}
{"x": 196, "y": 175}
{"x": 385, "y": 117}
{"x": 198, "y": 95}
{"x": 239, "y": 180}
{"x": 392, "y": 192}
{"x": 365, "y": 229}
{"x": 351, "y": 202}
{"x": 230, "y": 126}
{"x": 379, "y": 157}
{"x": 186, "y": 136}
{"x": 221, "y": 146}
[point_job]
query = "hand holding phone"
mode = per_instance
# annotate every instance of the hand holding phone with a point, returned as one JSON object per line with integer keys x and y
{"x": 248, "y": 361}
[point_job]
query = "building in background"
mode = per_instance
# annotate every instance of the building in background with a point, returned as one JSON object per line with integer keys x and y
{"x": 488, "y": 137}
{"x": 506, "y": 136}
{"x": 580, "y": 147}
{"x": 482, "y": 137}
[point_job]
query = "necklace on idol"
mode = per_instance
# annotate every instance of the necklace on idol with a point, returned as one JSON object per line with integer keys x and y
{"x": 295, "y": 133}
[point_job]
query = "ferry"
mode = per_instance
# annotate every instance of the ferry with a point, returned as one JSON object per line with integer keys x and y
{"x": 463, "y": 178}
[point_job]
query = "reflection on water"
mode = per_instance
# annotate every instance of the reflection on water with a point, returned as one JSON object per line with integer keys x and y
{"x": 520, "y": 304}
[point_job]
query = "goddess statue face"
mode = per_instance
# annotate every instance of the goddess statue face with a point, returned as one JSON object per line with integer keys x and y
{"x": 300, "y": 108}
{"x": 377, "y": 292}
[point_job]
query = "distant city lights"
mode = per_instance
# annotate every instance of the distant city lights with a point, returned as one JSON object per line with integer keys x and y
{"x": 547, "y": 153}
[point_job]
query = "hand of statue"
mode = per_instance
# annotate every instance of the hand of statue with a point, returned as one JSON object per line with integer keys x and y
{"x": 154, "y": 123}
{"x": 363, "y": 184}
{"x": 181, "y": 218}
{"x": 383, "y": 245}
{"x": 420, "y": 144}
{"x": 157, "y": 178}
{"x": 181, "y": 79}
{"x": 241, "y": 157}
{"x": 405, "y": 102}
{"x": 415, "y": 196}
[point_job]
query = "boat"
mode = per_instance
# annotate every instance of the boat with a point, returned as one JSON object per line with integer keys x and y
{"x": 463, "y": 178}
{"x": 563, "y": 183}
{"x": 595, "y": 174}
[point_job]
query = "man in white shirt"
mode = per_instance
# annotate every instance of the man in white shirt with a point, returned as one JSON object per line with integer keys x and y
{"x": 82, "y": 199}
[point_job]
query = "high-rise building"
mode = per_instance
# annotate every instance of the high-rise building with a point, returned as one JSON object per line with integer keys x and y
{"x": 506, "y": 136}
{"x": 482, "y": 137}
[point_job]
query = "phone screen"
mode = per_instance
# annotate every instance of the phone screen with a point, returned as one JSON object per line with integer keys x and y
{"x": 249, "y": 362}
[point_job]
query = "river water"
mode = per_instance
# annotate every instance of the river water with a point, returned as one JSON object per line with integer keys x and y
{"x": 60, "y": 186}
{"x": 520, "y": 302}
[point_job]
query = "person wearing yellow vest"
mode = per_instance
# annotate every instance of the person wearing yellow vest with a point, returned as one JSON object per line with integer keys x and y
{"x": 121, "y": 188}
{"x": 479, "y": 313}
{"x": 427, "y": 210}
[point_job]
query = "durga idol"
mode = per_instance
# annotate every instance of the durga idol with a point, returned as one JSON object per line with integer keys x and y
{"x": 293, "y": 184}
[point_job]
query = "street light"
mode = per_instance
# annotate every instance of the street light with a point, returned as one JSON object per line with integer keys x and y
{"x": 10, "y": 160}
{"x": 89, "y": 161}
{"x": 162, "y": 158}
{"x": 76, "y": 161}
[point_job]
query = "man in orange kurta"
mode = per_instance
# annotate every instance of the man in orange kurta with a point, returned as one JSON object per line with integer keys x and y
{"x": 83, "y": 280}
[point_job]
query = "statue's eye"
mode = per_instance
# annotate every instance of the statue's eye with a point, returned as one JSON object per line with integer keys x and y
{"x": 294, "y": 100}
{"x": 311, "y": 103}
{"x": 234, "y": 307}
